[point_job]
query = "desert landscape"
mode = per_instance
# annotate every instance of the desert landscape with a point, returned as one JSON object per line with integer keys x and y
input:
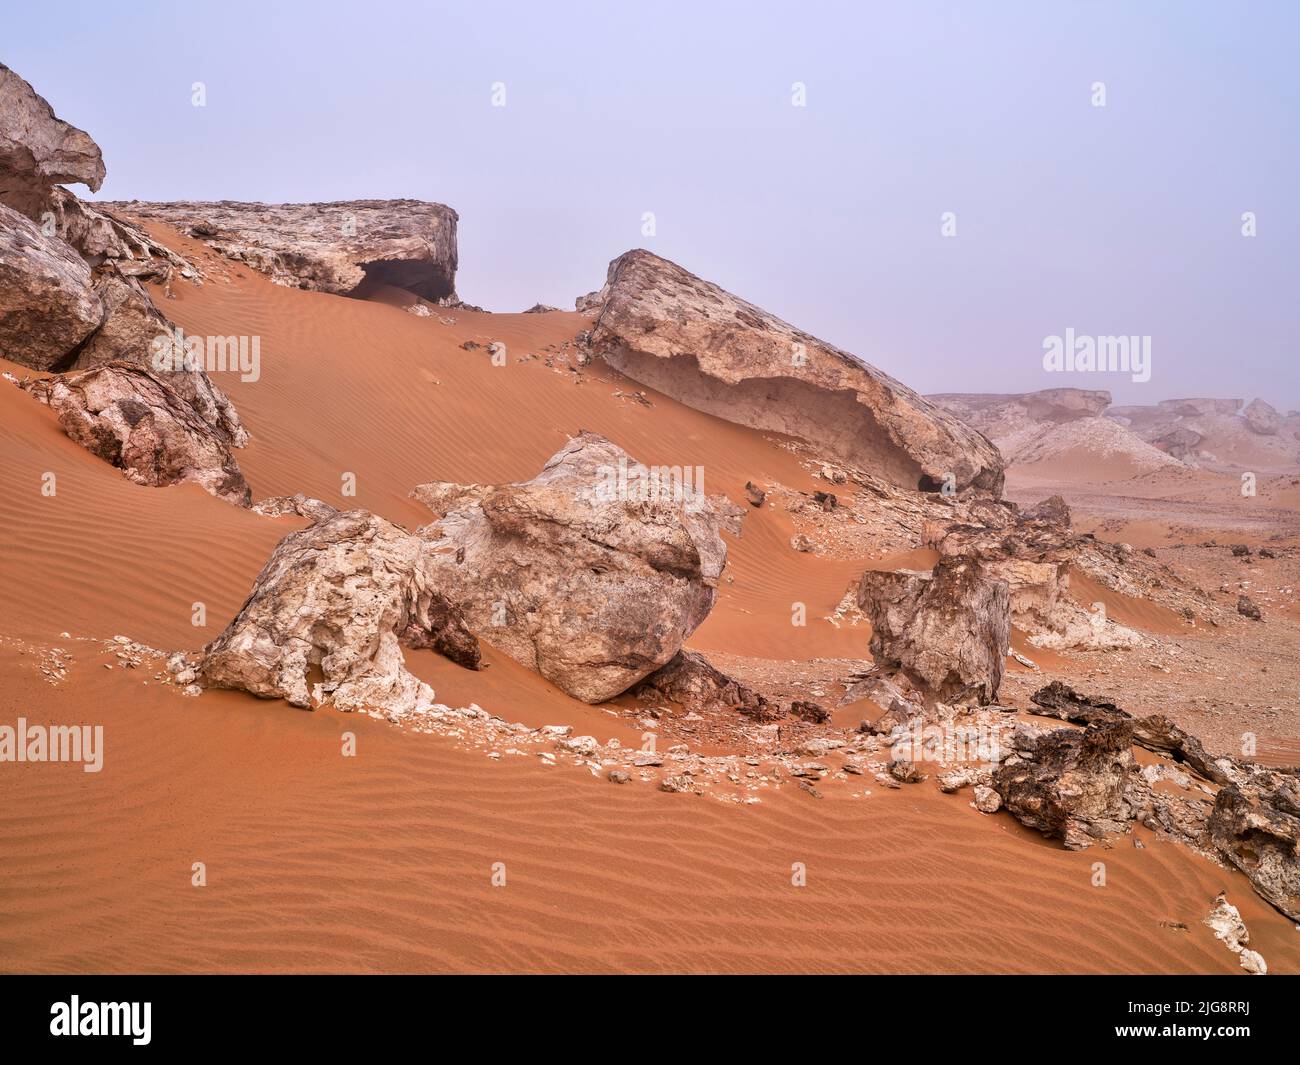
{"x": 352, "y": 628}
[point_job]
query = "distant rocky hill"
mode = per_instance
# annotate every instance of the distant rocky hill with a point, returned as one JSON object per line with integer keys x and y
{"x": 1214, "y": 433}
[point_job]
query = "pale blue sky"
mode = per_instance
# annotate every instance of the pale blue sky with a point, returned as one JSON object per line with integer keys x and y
{"x": 1122, "y": 219}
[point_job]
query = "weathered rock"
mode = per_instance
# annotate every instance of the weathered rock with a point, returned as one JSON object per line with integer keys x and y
{"x": 1248, "y": 608}
{"x": 693, "y": 682}
{"x": 690, "y": 339}
{"x": 1077, "y": 785}
{"x": 61, "y": 310}
{"x": 1226, "y": 923}
{"x": 328, "y": 247}
{"x": 302, "y": 505}
{"x": 591, "y": 578}
{"x": 754, "y": 495}
{"x": 129, "y": 418}
{"x": 987, "y": 801}
{"x": 949, "y": 630}
{"x": 48, "y": 305}
{"x": 1258, "y": 830}
{"x": 905, "y": 771}
{"x": 39, "y": 153}
{"x": 343, "y": 595}
{"x": 38, "y": 149}
{"x": 1155, "y": 733}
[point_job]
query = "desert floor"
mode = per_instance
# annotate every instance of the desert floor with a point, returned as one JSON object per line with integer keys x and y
{"x": 384, "y": 862}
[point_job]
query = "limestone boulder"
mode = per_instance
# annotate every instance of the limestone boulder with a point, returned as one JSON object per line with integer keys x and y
{"x": 949, "y": 630}
{"x": 586, "y": 573}
{"x": 343, "y": 597}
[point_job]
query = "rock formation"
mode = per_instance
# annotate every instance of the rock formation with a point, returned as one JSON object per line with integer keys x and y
{"x": 1000, "y": 415}
{"x": 949, "y": 630}
{"x": 48, "y": 305}
{"x": 343, "y": 595}
{"x": 1073, "y": 784}
{"x": 670, "y": 330}
{"x": 72, "y": 300}
{"x": 131, "y": 419}
{"x": 1256, "y": 826}
{"x": 590, "y": 578}
{"x": 327, "y": 247}
{"x": 1255, "y": 820}
{"x": 693, "y": 682}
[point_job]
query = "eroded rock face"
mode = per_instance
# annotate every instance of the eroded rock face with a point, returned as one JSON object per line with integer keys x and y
{"x": 130, "y": 419}
{"x": 668, "y": 329}
{"x": 327, "y": 247}
{"x": 342, "y": 595}
{"x": 589, "y": 586}
{"x": 949, "y": 630}
{"x": 48, "y": 305}
{"x": 1073, "y": 784}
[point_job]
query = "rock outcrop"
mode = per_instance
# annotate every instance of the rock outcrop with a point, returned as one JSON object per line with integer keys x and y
{"x": 949, "y": 630}
{"x": 342, "y": 596}
{"x": 1254, "y": 822}
{"x": 39, "y": 153}
{"x": 1073, "y": 784}
{"x": 48, "y": 304}
{"x": 584, "y": 574}
{"x": 72, "y": 299}
{"x": 1256, "y": 826}
{"x": 666, "y": 328}
{"x": 37, "y": 148}
{"x": 132, "y": 420}
{"x": 327, "y": 247}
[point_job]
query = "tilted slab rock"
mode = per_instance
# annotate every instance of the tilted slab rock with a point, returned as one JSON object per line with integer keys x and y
{"x": 129, "y": 418}
{"x": 949, "y": 630}
{"x": 48, "y": 304}
{"x": 327, "y": 247}
{"x": 668, "y": 329}
{"x": 39, "y": 152}
{"x": 343, "y": 595}
{"x": 580, "y": 576}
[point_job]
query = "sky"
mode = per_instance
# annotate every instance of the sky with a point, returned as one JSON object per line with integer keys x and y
{"x": 1122, "y": 219}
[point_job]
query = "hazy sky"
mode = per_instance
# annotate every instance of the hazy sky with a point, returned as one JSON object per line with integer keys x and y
{"x": 1122, "y": 219}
